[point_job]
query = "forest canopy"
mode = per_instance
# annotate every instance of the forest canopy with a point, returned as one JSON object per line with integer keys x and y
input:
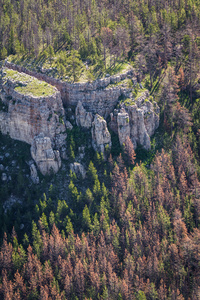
{"x": 131, "y": 228}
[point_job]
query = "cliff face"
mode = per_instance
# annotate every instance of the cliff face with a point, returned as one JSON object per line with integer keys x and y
{"x": 36, "y": 115}
{"x": 138, "y": 121}
{"x": 101, "y": 138}
{"x": 27, "y": 115}
{"x": 99, "y": 96}
{"x": 47, "y": 159}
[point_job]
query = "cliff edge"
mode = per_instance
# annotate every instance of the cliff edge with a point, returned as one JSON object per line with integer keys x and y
{"x": 31, "y": 107}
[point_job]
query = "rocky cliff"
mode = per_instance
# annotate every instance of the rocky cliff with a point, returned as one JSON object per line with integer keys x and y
{"x": 101, "y": 139}
{"x": 27, "y": 113}
{"x": 47, "y": 159}
{"x": 32, "y": 111}
{"x": 99, "y": 96}
{"x": 138, "y": 120}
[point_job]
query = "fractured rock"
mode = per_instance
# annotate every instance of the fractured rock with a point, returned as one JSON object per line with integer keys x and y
{"x": 47, "y": 159}
{"x": 123, "y": 126}
{"x": 28, "y": 115}
{"x": 143, "y": 137}
{"x": 34, "y": 174}
{"x": 83, "y": 118}
{"x": 78, "y": 169}
{"x": 138, "y": 121}
{"x": 101, "y": 137}
{"x": 68, "y": 125}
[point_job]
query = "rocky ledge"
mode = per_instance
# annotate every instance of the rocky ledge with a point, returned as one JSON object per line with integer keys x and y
{"x": 137, "y": 119}
{"x": 32, "y": 111}
{"x": 99, "y": 96}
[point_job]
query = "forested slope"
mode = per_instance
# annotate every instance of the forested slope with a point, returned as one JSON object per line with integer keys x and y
{"x": 130, "y": 229}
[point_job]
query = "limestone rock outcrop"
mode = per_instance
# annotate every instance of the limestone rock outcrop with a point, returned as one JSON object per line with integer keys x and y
{"x": 138, "y": 120}
{"x": 28, "y": 115}
{"x": 47, "y": 159}
{"x": 99, "y": 96}
{"x": 78, "y": 169}
{"x": 40, "y": 120}
{"x": 4, "y": 177}
{"x": 34, "y": 174}
{"x": 68, "y": 125}
{"x": 101, "y": 137}
{"x": 123, "y": 126}
{"x": 83, "y": 118}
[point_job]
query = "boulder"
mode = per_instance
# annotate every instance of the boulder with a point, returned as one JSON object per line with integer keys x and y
{"x": 4, "y": 177}
{"x": 101, "y": 137}
{"x": 78, "y": 169}
{"x": 47, "y": 159}
{"x": 83, "y": 118}
{"x": 68, "y": 125}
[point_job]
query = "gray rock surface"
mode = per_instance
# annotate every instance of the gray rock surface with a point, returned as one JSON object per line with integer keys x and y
{"x": 100, "y": 135}
{"x": 27, "y": 115}
{"x": 137, "y": 121}
{"x": 47, "y": 159}
{"x": 123, "y": 126}
{"x": 99, "y": 96}
{"x": 4, "y": 177}
{"x": 7, "y": 205}
{"x": 78, "y": 169}
{"x": 34, "y": 174}
{"x": 68, "y": 125}
{"x": 83, "y": 118}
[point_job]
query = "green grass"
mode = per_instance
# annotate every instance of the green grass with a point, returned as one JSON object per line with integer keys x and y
{"x": 140, "y": 92}
{"x": 129, "y": 102}
{"x": 29, "y": 85}
{"x": 119, "y": 67}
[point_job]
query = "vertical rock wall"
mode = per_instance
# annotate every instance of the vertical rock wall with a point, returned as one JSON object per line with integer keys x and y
{"x": 99, "y": 96}
{"x": 27, "y": 117}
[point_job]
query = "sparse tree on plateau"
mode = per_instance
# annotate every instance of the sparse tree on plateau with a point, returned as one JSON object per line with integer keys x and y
{"x": 123, "y": 40}
{"x": 74, "y": 65}
{"x": 107, "y": 39}
{"x": 166, "y": 42}
{"x": 141, "y": 66}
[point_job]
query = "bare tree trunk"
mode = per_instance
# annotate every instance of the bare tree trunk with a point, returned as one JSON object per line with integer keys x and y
{"x": 190, "y": 58}
{"x": 104, "y": 54}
